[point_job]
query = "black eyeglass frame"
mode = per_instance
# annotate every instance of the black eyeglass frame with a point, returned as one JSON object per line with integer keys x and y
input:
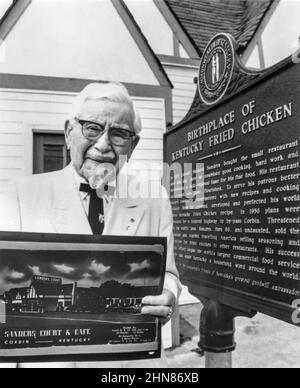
{"x": 82, "y": 122}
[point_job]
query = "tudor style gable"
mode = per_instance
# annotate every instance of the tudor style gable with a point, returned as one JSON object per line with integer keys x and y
{"x": 76, "y": 42}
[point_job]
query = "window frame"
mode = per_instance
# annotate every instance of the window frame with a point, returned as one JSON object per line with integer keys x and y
{"x": 40, "y": 137}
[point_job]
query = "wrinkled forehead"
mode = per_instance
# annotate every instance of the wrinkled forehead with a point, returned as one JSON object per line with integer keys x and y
{"x": 108, "y": 111}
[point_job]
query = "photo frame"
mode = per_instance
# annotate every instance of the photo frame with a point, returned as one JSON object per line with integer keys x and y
{"x": 78, "y": 298}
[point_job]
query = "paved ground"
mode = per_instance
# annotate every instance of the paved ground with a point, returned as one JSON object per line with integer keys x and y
{"x": 263, "y": 342}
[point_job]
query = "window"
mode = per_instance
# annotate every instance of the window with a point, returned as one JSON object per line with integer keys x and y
{"x": 50, "y": 153}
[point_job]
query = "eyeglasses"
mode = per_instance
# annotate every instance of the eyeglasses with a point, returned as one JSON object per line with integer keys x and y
{"x": 93, "y": 131}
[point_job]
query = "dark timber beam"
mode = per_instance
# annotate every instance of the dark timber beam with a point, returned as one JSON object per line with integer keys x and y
{"x": 142, "y": 43}
{"x": 12, "y": 15}
{"x": 177, "y": 28}
{"x": 256, "y": 39}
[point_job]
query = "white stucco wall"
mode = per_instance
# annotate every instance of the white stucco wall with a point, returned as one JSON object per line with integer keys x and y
{"x": 153, "y": 24}
{"x": 4, "y": 5}
{"x": 280, "y": 37}
{"x": 74, "y": 39}
{"x": 254, "y": 61}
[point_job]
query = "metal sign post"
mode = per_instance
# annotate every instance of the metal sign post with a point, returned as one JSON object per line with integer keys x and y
{"x": 217, "y": 329}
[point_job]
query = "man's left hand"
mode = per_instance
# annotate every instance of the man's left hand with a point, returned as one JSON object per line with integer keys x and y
{"x": 161, "y": 306}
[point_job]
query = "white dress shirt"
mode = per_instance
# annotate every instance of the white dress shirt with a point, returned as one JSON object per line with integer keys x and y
{"x": 85, "y": 197}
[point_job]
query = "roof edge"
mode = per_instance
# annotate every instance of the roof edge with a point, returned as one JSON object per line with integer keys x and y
{"x": 178, "y": 29}
{"x": 11, "y": 16}
{"x": 259, "y": 30}
{"x": 142, "y": 43}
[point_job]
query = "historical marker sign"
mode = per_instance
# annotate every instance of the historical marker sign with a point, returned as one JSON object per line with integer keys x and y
{"x": 240, "y": 244}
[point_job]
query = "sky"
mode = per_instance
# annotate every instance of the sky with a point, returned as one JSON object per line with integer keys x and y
{"x": 89, "y": 269}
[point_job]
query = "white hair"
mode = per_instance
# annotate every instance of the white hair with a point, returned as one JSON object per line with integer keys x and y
{"x": 113, "y": 91}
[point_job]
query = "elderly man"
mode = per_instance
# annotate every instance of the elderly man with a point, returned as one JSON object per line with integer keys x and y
{"x": 101, "y": 134}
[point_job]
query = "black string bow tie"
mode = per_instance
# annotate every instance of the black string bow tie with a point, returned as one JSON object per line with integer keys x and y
{"x": 96, "y": 209}
{"x": 85, "y": 188}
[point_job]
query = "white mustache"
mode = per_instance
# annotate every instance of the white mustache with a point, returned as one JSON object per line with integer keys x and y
{"x": 97, "y": 160}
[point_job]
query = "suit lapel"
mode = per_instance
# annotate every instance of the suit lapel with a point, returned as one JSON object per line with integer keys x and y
{"x": 68, "y": 215}
{"x": 124, "y": 217}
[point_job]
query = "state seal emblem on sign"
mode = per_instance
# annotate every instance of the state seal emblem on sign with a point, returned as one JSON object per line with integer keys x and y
{"x": 216, "y": 69}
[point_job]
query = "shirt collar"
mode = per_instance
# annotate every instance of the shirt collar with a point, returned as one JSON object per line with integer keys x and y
{"x": 79, "y": 180}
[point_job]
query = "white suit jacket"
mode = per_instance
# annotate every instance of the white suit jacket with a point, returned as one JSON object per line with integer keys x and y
{"x": 50, "y": 203}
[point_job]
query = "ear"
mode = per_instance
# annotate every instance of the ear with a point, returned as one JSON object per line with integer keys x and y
{"x": 133, "y": 146}
{"x": 68, "y": 133}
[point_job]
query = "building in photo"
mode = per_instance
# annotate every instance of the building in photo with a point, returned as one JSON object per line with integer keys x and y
{"x": 49, "y": 294}
{"x": 42, "y": 295}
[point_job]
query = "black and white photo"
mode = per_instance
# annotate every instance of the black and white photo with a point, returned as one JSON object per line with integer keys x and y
{"x": 62, "y": 298}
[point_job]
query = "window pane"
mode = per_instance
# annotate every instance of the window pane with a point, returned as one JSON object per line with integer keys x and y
{"x": 4, "y": 5}
{"x": 53, "y": 157}
{"x": 50, "y": 153}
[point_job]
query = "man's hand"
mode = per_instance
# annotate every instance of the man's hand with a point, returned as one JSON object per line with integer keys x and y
{"x": 161, "y": 306}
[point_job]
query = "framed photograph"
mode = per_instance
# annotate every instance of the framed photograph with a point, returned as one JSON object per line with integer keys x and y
{"x": 78, "y": 298}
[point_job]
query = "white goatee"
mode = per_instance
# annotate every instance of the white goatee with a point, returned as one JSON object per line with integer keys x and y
{"x": 98, "y": 174}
